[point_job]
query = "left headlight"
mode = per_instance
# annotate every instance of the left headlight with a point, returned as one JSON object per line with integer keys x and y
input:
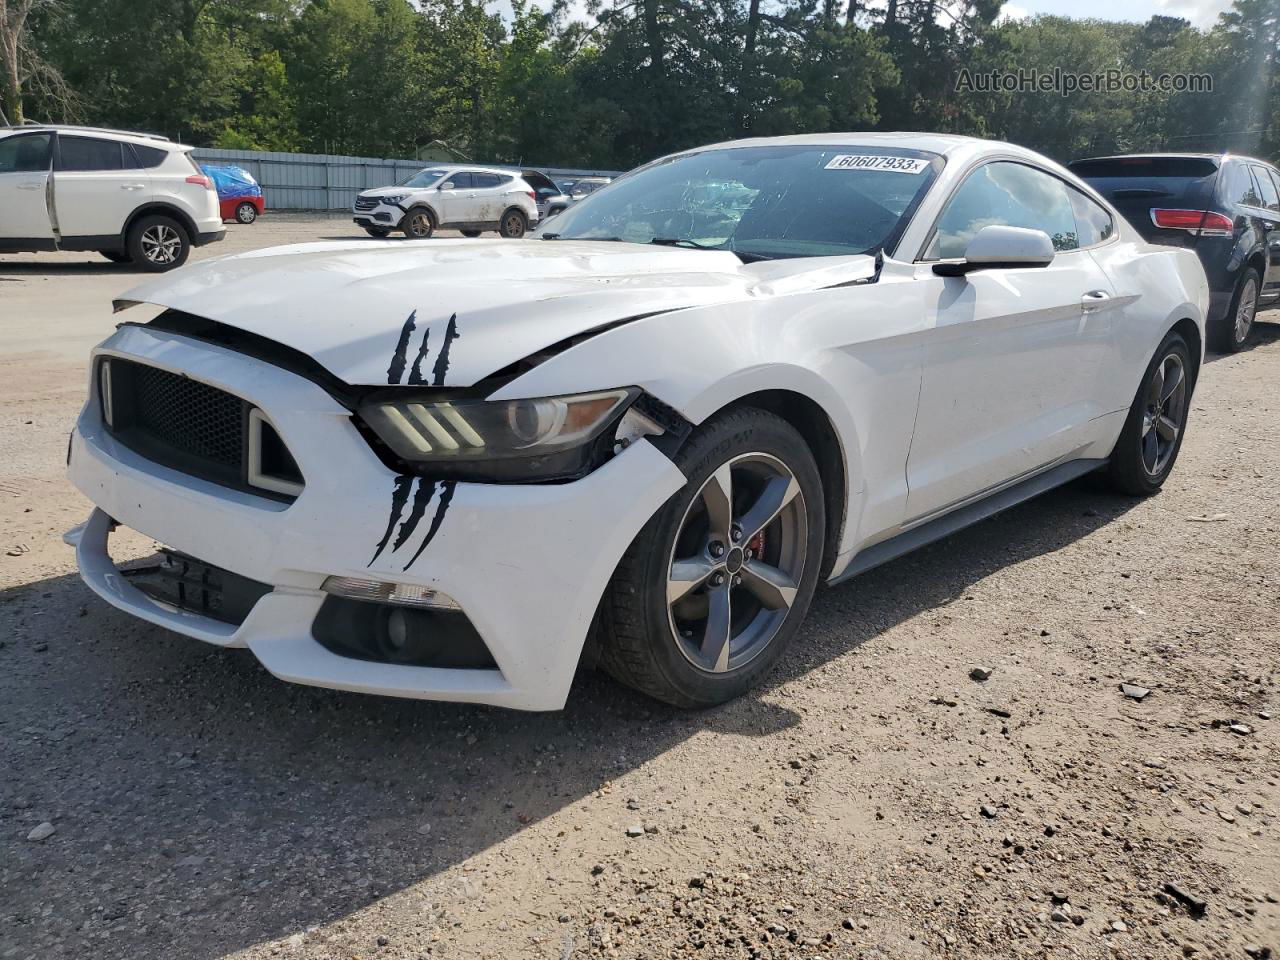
{"x": 533, "y": 439}
{"x": 393, "y": 198}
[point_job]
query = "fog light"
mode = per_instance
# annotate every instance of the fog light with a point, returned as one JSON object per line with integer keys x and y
{"x": 382, "y": 591}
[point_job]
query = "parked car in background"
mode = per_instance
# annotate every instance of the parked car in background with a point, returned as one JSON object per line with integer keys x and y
{"x": 130, "y": 196}
{"x": 585, "y": 186}
{"x": 1224, "y": 207}
{"x": 549, "y": 197}
{"x": 467, "y": 198}
{"x": 239, "y": 196}
{"x": 739, "y": 372}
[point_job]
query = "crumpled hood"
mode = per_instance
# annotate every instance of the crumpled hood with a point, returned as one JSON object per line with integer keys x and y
{"x": 374, "y": 312}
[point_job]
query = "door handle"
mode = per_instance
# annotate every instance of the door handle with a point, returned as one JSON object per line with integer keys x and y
{"x": 1093, "y": 301}
{"x": 131, "y": 186}
{"x": 30, "y": 185}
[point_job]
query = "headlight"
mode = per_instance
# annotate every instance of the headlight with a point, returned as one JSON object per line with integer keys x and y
{"x": 535, "y": 439}
{"x": 392, "y": 199}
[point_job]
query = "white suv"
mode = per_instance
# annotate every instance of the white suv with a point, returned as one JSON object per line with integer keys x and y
{"x": 129, "y": 196}
{"x": 470, "y": 199}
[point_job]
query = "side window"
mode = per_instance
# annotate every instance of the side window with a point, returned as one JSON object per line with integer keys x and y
{"x": 1270, "y": 199}
{"x": 25, "y": 154}
{"x": 86, "y": 153}
{"x": 146, "y": 157}
{"x": 460, "y": 181}
{"x": 1093, "y": 223}
{"x": 1240, "y": 186}
{"x": 486, "y": 180}
{"x": 1008, "y": 194}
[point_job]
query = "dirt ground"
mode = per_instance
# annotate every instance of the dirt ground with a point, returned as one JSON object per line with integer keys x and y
{"x": 871, "y": 801}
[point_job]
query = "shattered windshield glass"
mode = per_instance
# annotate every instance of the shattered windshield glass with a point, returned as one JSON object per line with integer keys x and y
{"x": 423, "y": 178}
{"x": 761, "y": 202}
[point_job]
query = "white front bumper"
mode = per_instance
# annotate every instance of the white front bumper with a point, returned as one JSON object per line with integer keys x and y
{"x": 527, "y": 563}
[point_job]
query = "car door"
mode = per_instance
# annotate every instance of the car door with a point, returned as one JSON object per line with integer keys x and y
{"x": 488, "y": 196}
{"x": 94, "y": 188}
{"x": 24, "y": 187}
{"x": 1012, "y": 355}
{"x": 1268, "y": 214}
{"x": 454, "y": 198}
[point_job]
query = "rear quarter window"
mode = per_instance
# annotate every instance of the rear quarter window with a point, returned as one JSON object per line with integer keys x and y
{"x": 147, "y": 157}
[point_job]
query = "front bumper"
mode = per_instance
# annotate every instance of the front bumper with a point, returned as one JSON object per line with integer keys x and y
{"x": 527, "y": 563}
{"x": 384, "y": 215}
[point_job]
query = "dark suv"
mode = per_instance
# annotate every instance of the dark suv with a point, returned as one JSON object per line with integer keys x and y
{"x": 1224, "y": 207}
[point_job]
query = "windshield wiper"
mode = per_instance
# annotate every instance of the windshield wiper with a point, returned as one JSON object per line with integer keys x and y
{"x": 683, "y": 242}
{"x": 556, "y": 236}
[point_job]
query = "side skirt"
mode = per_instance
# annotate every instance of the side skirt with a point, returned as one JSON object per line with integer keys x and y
{"x": 965, "y": 516}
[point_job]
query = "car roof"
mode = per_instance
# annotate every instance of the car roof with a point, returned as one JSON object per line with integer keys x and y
{"x": 104, "y": 133}
{"x": 940, "y": 143}
{"x": 1224, "y": 157}
{"x": 469, "y": 168}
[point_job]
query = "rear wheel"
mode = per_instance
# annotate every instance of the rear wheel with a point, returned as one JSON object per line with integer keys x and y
{"x": 712, "y": 590}
{"x": 246, "y": 213}
{"x": 158, "y": 243}
{"x": 418, "y": 224}
{"x": 1233, "y": 330}
{"x": 513, "y": 224}
{"x": 1152, "y": 436}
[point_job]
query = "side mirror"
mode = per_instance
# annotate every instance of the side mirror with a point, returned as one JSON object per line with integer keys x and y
{"x": 995, "y": 246}
{"x": 447, "y": 185}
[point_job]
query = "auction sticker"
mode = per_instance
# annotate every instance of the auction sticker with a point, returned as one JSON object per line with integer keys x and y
{"x": 890, "y": 164}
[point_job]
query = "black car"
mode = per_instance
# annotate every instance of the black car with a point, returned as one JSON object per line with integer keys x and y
{"x": 1224, "y": 207}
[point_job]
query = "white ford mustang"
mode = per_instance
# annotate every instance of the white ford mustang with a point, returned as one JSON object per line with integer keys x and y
{"x": 436, "y": 468}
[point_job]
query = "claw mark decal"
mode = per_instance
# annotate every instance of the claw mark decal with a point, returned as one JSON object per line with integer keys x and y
{"x": 446, "y": 495}
{"x": 442, "y": 361}
{"x": 426, "y": 489}
{"x": 398, "y": 497}
{"x": 396, "y": 370}
{"x": 415, "y": 374}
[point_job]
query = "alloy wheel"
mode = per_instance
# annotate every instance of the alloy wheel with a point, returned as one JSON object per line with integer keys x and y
{"x": 514, "y": 227}
{"x": 1165, "y": 411}
{"x": 161, "y": 244}
{"x": 1245, "y": 309}
{"x": 419, "y": 225}
{"x": 737, "y": 562}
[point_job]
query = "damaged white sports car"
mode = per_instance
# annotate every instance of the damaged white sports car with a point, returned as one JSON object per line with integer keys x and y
{"x": 435, "y": 469}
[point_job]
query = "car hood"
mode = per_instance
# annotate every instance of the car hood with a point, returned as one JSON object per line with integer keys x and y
{"x": 379, "y": 312}
{"x": 390, "y": 191}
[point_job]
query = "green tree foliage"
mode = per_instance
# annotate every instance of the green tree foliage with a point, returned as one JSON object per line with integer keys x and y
{"x": 633, "y": 79}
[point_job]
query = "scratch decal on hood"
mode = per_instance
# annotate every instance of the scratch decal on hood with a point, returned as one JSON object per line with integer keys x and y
{"x": 415, "y": 373}
{"x": 426, "y": 489}
{"x": 446, "y": 495}
{"x": 442, "y": 361}
{"x": 396, "y": 370}
{"x": 399, "y": 496}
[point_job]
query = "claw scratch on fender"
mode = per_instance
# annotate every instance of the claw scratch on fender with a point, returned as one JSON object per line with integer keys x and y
{"x": 426, "y": 489}
{"x": 442, "y": 360}
{"x": 446, "y": 495}
{"x": 396, "y": 370}
{"x": 398, "y": 498}
{"x": 415, "y": 374}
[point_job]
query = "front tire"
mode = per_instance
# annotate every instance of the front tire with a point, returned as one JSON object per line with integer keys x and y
{"x": 513, "y": 224}
{"x": 158, "y": 243}
{"x": 418, "y": 224}
{"x": 713, "y": 589}
{"x": 1152, "y": 435}
{"x": 246, "y": 213}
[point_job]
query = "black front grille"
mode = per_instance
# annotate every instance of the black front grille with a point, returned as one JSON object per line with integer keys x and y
{"x": 187, "y": 425}
{"x": 366, "y": 203}
{"x": 190, "y": 584}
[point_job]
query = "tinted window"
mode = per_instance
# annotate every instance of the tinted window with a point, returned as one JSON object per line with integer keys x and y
{"x": 1267, "y": 189}
{"x": 460, "y": 181}
{"x": 484, "y": 180}
{"x": 144, "y": 157}
{"x": 1240, "y": 186}
{"x": 1009, "y": 194}
{"x": 539, "y": 181}
{"x": 25, "y": 154}
{"x": 86, "y": 153}
{"x": 1177, "y": 167}
{"x": 1093, "y": 223}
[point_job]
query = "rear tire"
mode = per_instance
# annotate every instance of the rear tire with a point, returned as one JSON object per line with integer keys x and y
{"x": 246, "y": 213}
{"x": 1152, "y": 436}
{"x": 513, "y": 224}
{"x": 739, "y": 597}
{"x": 419, "y": 224}
{"x": 1232, "y": 331}
{"x": 158, "y": 243}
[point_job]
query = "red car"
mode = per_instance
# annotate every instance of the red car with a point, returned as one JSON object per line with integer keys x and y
{"x": 239, "y": 195}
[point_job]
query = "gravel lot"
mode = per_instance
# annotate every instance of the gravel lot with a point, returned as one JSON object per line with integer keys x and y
{"x": 872, "y": 801}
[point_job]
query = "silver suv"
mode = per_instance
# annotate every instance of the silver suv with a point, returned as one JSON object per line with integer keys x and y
{"x": 466, "y": 198}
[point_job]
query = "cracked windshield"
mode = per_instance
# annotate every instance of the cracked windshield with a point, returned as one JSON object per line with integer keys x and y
{"x": 760, "y": 203}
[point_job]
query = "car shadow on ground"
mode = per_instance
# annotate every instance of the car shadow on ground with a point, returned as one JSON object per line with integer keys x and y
{"x": 18, "y": 269}
{"x": 1266, "y": 331}
{"x": 202, "y": 806}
